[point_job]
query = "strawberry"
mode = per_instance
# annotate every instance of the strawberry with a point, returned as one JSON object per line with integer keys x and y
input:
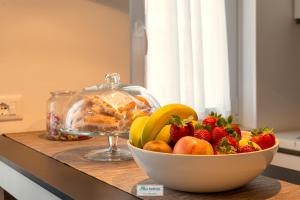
{"x": 246, "y": 149}
{"x": 224, "y": 127}
{"x": 202, "y": 132}
{"x": 247, "y": 146}
{"x": 232, "y": 141}
{"x": 180, "y": 128}
{"x": 216, "y": 152}
{"x": 226, "y": 145}
{"x": 233, "y": 129}
{"x": 232, "y": 132}
{"x": 211, "y": 120}
{"x": 265, "y": 137}
{"x": 237, "y": 129}
{"x": 217, "y": 134}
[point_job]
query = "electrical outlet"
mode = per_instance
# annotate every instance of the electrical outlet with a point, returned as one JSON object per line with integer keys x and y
{"x": 10, "y": 108}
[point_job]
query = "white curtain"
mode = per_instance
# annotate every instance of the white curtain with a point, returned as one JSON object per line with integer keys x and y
{"x": 187, "y": 60}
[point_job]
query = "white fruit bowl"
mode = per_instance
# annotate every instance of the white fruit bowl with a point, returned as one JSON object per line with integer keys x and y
{"x": 203, "y": 173}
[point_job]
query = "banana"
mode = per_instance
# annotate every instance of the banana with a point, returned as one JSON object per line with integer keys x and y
{"x": 159, "y": 118}
{"x": 136, "y": 130}
{"x": 164, "y": 134}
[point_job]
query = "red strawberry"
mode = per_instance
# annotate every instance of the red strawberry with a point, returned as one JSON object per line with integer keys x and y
{"x": 232, "y": 132}
{"x": 263, "y": 137}
{"x": 247, "y": 148}
{"x": 180, "y": 128}
{"x": 202, "y": 134}
{"x": 216, "y": 152}
{"x": 211, "y": 120}
{"x": 232, "y": 129}
{"x": 226, "y": 145}
{"x": 237, "y": 129}
{"x": 217, "y": 134}
{"x": 232, "y": 141}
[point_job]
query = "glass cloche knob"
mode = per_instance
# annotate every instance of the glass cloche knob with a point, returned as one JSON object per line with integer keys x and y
{"x": 113, "y": 79}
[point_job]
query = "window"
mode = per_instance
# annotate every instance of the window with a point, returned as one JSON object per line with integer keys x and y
{"x": 191, "y": 52}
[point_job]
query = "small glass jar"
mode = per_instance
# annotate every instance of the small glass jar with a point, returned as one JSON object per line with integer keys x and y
{"x": 57, "y": 104}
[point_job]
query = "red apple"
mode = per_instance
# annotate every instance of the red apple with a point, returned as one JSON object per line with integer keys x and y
{"x": 192, "y": 145}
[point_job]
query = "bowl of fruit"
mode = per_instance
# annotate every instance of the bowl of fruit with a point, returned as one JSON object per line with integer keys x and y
{"x": 177, "y": 150}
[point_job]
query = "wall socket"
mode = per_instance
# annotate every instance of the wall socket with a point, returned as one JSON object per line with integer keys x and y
{"x": 10, "y": 108}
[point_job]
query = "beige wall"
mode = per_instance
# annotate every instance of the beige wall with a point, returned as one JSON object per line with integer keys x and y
{"x": 58, "y": 44}
{"x": 278, "y": 65}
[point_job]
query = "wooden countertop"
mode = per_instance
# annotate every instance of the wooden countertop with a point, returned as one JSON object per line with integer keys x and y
{"x": 126, "y": 175}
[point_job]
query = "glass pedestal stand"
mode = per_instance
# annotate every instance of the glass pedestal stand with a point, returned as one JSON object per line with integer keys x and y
{"x": 111, "y": 154}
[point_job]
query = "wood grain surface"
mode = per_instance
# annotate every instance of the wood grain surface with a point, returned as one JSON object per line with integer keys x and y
{"x": 126, "y": 175}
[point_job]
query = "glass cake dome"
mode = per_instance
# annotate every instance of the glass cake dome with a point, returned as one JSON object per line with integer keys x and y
{"x": 108, "y": 109}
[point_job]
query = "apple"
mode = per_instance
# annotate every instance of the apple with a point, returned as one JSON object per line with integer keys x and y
{"x": 193, "y": 145}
